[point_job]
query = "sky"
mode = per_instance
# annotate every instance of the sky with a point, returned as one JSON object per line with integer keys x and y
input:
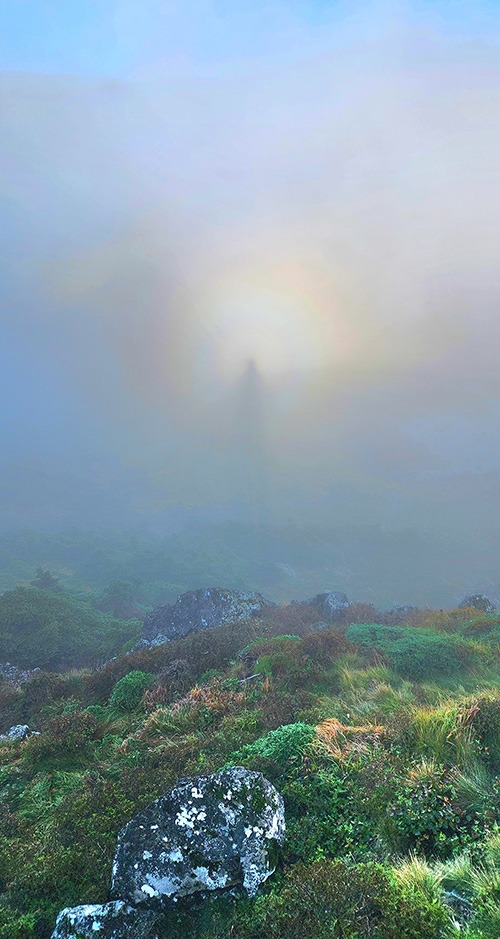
{"x": 249, "y": 263}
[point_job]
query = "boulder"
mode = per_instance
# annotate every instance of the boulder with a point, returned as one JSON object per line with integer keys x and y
{"x": 115, "y": 920}
{"x": 329, "y": 606}
{"x": 479, "y": 602}
{"x": 200, "y": 609}
{"x": 206, "y": 833}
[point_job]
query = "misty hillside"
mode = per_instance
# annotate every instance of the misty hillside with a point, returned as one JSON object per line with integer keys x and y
{"x": 377, "y": 565}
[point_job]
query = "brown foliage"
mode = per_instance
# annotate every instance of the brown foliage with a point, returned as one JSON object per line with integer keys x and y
{"x": 276, "y": 708}
{"x": 343, "y": 741}
{"x": 327, "y": 645}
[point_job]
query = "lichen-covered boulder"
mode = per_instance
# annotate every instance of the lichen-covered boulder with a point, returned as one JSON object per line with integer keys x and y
{"x": 201, "y": 609}
{"x": 478, "y": 601}
{"x": 206, "y": 833}
{"x": 329, "y": 606}
{"x": 115, "y": 920}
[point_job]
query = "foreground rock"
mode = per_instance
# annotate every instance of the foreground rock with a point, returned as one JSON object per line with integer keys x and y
{"x": 108, "y": 921}
{"x": 207, "y": 833}
{"x": 329, "y": 606}
{"x": 478, "y": 601}
{"x": 201, "y": 609}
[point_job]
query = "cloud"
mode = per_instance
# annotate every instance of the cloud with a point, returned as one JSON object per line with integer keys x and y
{"x": 318, "y": 193}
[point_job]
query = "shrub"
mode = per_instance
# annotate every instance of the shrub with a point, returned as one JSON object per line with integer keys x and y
{"x": 128, "y": 691}
{"x": 425, "y": 816}
{"x": 416, "y": 653}
{"x": 330, "y": 900}
{"x": 486, "y": 923}
{"x": 284, "y": 745}
{"x": 16, "y": 926}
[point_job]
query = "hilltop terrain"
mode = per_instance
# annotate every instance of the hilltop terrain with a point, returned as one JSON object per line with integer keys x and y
{"x": 380, "y": 730}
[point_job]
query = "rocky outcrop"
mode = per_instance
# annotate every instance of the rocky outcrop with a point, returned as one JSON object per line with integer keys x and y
{"x": 329, "y": 606}
{"x": 17, "y": 676}
{"x": 201, "y": 609}
{"x": 207, "y": 833}
{"x": 115, "y": 920}
{"x": 479, "y": 602}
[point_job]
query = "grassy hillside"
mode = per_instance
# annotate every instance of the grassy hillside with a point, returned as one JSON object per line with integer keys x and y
{"x": 383, "y": 737}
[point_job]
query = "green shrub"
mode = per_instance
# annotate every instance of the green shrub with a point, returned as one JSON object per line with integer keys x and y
{"x": 416, "y": 653}
{"x": 16, "y": 926}
{"x": 373, "y": 634}
{"x": 284, "y": 745}
{"x": 97, "y": 711}
{"x": 128, "y": 691}
{"x": 486, "y": 923}
{"x": 330, "y": 900}
{"x": 427, "y": 817}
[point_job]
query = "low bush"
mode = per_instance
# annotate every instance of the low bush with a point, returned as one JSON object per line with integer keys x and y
{"x": 282, "y": 746}
{"x": 415, "y": 653}
{"x": 128, "y": 691}
{"x": 330, "y": 900}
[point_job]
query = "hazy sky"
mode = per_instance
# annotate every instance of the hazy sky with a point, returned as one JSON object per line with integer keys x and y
{"x": 313, "y": 186}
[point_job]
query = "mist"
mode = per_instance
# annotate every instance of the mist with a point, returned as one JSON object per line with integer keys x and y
{"x": 250, "y": 269}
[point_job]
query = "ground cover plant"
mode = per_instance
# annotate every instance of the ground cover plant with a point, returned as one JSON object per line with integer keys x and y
{"x": 383, "y": 737}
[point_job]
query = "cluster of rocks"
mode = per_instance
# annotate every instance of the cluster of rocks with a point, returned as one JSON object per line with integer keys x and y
{"x": 207, "y": 609}
{"x": 16, "y": 676}
{"x": 207, "y": 833}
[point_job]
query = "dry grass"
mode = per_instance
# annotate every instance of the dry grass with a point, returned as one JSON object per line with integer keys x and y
{"x": 343, "y": 741}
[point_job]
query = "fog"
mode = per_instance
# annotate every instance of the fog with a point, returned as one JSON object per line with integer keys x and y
{"x": 250, "y": 268}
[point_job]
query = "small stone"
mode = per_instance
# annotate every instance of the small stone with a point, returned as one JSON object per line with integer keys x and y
{"x": 115, "y": 920}
{"x": 19, "y": 732}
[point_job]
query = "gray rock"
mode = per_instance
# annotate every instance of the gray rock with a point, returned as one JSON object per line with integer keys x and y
{"x": 17, "y": 676}
{"x": 329, "y": 606}
{"x": 200, "y": 609}
{"x": 403, "y": 610}
{"x": 115, "y": 920}
{"x": 479, "y": 602}
{"x": 19, "y": 732}
{"x": 206, "y": 833}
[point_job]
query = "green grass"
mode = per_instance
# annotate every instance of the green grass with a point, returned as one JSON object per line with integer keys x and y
{"x": 409, "y": 783}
